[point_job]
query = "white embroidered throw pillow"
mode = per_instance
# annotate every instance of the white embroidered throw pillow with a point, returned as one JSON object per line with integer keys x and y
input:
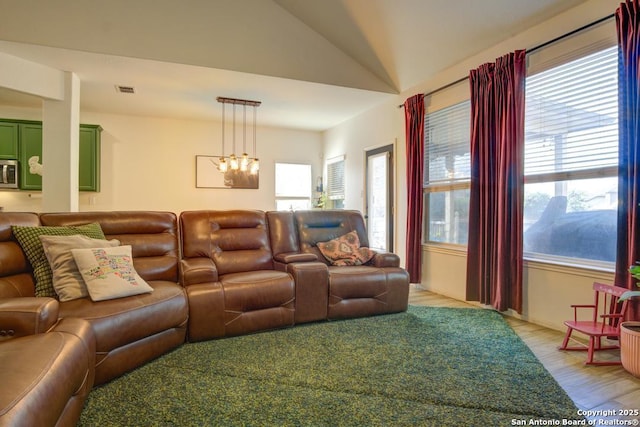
{"x": 109, "y": 273}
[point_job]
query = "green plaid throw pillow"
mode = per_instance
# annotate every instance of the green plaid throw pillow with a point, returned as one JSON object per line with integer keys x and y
{"x": 29, "y": 240}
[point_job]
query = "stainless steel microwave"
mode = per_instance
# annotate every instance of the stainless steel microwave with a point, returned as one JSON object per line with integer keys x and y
{"x": 8, "y": 174}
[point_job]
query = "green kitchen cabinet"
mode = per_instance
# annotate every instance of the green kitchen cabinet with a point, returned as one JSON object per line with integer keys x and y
{"x": 8, "y": 140}
{"x": 89, "y": 153}
{"x": 30, "y": 146}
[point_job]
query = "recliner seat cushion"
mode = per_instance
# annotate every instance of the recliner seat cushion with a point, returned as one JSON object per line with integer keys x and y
{"x": 356, "y": 291}
{"x": 257, "y": 300}
{"x": 357, "y": 282}
{"x": 122, "y": 321}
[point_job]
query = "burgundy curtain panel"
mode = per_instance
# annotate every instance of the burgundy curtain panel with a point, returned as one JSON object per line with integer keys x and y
{"x": 628, "y": 26}
{"x": 414, "y": 126}
{"x": 494, "y": 257}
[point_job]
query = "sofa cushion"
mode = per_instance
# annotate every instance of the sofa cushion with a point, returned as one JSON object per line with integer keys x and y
{"x": 237, "y": 240}
{"x": 346, "y": 250}
{"x": 29, "y": 240}
{"x": 120, "y": 322}
{"x": 357, "y": 282}
{"x": 356, "y": 291}
{"x": 255, "y": 290}
{"x": 315, "y": 226}
{"x": 16, "y": 279}
{"x": 109, "y": 273}
{"x": 67, "y": 280}
{"x": 152, "y": 235}
{"x": 257, "y": 300}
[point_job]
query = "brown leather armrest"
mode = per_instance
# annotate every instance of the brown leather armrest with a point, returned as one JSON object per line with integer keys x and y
{"x": 290, "y": 257}
{"x": 26, "y": 316}
{"x": 385, "y": 259}
{"x": 197, "y": 270}
{"x": 312, "y": 290}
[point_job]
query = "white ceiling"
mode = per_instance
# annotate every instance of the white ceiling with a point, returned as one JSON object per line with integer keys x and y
{"x": 312, "y": 63}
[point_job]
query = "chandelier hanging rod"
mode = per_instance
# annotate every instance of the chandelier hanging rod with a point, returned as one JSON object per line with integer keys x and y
{"x": 238, "y": 101}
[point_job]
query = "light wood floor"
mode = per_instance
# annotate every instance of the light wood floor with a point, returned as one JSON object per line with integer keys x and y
{"x": 609, "y": 388}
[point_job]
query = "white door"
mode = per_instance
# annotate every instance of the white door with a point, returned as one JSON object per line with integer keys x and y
{"x": 379, "y": 209}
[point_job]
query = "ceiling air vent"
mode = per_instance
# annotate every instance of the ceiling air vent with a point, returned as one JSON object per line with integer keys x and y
{"x": 125, "y": 89}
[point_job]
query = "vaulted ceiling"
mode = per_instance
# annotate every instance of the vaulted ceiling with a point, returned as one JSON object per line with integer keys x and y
{"x": 312, "y": 63}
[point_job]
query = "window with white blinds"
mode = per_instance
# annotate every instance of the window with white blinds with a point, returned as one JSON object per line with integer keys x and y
{"x": 571, "y": 158}
{"x": 335, "y": 178}
{"x": 571, "y": 123}
{"x": 447, "y": 174}
{"x": 447, "y": 157}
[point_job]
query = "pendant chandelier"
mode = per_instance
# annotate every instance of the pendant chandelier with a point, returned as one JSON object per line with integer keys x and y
{"x": 243, "y": 162}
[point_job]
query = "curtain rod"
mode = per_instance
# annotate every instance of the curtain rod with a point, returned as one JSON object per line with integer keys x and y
{"x": 533, "y": 49}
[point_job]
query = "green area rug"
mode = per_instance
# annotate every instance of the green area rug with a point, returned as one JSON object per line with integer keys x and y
{"x": 429, "y": 366}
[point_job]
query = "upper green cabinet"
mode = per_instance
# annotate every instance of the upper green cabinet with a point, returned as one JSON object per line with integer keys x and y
{"x": 89, "y": 152}
{"x": 8, "y": 140}
{"x": 30, "y": 147}
{"x": 22, "y": 140}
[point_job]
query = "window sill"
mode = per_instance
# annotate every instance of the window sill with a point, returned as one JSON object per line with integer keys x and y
{"x": 573, "y": 267}
{"x": 600, "y": 272}
{"x": 445, "y": 248}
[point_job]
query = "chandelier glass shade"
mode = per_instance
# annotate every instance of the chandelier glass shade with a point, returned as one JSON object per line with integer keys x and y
{"x": 243, "y": 162}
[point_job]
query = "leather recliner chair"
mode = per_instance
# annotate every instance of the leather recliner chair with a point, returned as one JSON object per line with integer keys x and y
{"x": 47, "y": 365}
{"x": 377, "y": 287}
{"x": 228, "y": 273}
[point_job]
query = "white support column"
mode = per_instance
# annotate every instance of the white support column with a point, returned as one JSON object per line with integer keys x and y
{"x": 60, "y": 142}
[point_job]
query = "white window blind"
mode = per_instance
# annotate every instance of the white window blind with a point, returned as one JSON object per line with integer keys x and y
{"x": 447, "y": 150}
{"x": 335, "y": 178}
{"x": 571, "y": 124}
{"x": 575, "y": 46}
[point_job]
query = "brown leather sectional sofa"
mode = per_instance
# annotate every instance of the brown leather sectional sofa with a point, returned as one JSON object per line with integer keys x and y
{"x": 213, "y": 274}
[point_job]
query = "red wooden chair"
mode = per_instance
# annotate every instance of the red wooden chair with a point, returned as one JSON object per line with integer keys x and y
{"x": 606, "y": 316}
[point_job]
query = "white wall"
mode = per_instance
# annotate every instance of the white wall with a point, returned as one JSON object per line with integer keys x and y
{"x": 548, "y": 289}
{"x": 149, "y": 164}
